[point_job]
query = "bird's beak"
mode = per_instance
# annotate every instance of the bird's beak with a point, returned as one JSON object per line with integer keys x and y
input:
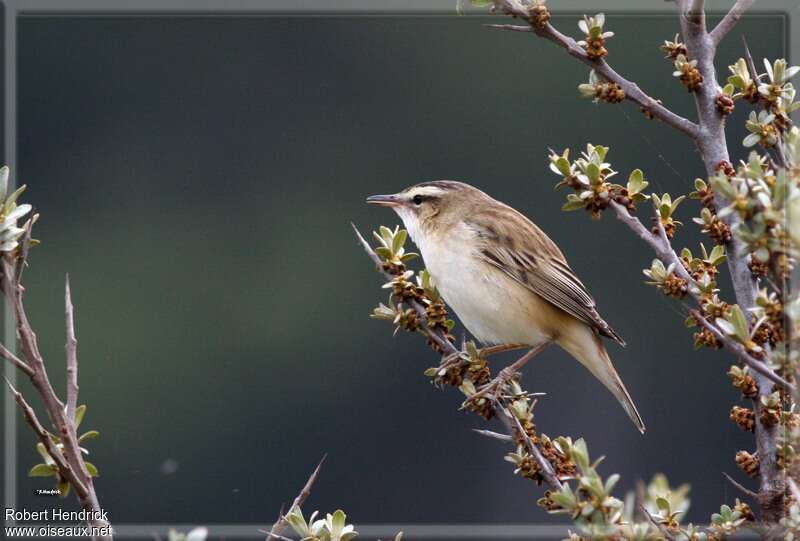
{"x": 385, "y": 200}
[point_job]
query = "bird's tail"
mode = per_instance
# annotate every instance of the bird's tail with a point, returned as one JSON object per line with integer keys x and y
{"x": 587, "y": 347}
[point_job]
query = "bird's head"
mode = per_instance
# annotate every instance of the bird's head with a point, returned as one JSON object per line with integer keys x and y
{"x": 430, "y": 206}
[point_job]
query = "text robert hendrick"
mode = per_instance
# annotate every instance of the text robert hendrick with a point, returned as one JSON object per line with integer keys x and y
{"x": 55, "y": 514}
{"x": 98, "y": 523}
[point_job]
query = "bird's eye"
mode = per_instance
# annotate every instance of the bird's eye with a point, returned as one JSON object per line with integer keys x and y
{"x": 417, "y": 199}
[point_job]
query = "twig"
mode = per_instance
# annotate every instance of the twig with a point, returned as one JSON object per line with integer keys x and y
{"x": 79, "y": 476}
{"x": 631, "y": 89}
{"x": 493, "y": 435}
{"x": 16, "y": 361}
{"x": 282, "y": 523}
{"x": 659, "y": 243}
{"x": 664, "y": 531}
{"x": 508, "y": 372}
{"x": 739, "y": 486}
{"x": 72, "y": 357}
{"x": 741, "y": 353}
{"x": 729, "y": 20}
{"x": 447, "y": 347}
{"x": 547, "y": 471}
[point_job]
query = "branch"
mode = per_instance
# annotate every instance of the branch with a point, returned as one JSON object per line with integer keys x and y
{"x": 742, "y": 354}
{"x": 64, "y": 469}
{"x": 547, "y": 469}
{"x": 696, "y": 12}
{"x": 659, "y": 243}
{"x": 631, "y": 89}
{"x": 281, "y": 524}
{"x": 16, "y": 361}
{"x": 729, "y": 20}
{"x": 661, "y": 528}
{"x": 72, "y": 358}
{"x": 739, "y": 486}
{"x": 12, "y": 265}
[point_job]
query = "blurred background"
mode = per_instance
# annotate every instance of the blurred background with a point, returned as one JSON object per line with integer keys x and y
{"x": 197, "y": 177}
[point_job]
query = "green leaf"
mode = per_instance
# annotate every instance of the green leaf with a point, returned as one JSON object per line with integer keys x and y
{"x": 92, "y": 469}
{"x": 90, "y": 435}
{"x": 44, "y": 454}
{"x": 42, "y": 470}
{"x": 663, "y": 504}
{"x": 636, "y": 182}
{"x": 80, "y": 411}
{"x": 739, "y": 321}
{"x": 399, "y": 240}
{"x": 63, "y": 488}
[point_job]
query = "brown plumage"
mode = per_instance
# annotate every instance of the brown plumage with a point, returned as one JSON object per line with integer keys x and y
{"x": 504, "y": 277}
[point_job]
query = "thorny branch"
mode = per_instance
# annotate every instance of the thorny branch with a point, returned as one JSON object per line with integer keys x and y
{"x": 282, "y": 523}
{"x": 709, "y": 136}
{"x": 742, "y": 354}
{"x": 68, "y": 459}
{"x": 632, "y": 90}
{"x": 729, "y": 20}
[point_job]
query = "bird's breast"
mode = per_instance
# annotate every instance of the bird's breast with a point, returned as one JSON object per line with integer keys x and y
{"x": 493, "y": 307}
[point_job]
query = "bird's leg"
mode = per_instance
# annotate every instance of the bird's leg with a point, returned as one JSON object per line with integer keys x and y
{"x": 508, "y": 373}
{"x": 501, "y": 348}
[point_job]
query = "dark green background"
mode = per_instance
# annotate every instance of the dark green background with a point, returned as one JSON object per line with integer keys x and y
{"x": 197, "y": 178}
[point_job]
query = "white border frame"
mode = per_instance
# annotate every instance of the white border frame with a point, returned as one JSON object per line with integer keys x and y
{"x": 15, "y": 8}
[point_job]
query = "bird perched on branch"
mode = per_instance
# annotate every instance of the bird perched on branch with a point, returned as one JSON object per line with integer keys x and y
{"x": 504, "y": 278}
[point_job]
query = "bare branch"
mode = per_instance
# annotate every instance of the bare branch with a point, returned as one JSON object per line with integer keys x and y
{"x": 661, "y": 528}
{"x": 659, "y": 243}
{"x": 72, "y": 357}
{"x": 493, "y": 435}
{"x": 729, "y": 20}
{"x": 281, "y": 524}
{"x": 739, "y": 486}
{"x": 631, "y": 89}
{"x": 742, "y": 354}
{"x": 16, "y": 361}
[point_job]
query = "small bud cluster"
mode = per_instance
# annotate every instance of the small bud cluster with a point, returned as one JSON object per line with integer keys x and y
{"x": 400, "y": 310}
{"x": 686, "y": 70}
{"x": 674, "y": 49}
{"x": 742, "y": 380}
{"x": 665, "y": 279}
{"x": 772, "y": 91}
{"x": 600, "y": 89}
{"x": 760, "y": 196}
{"x": 748, "y": 463}
{"x": 744, "y": 417}
{"x": 538, "y": 14}
{"x": 724, "y": 103}
{"x": 333, "y": 527}
{"x": 595, "y": 39}
{"x": 665, "y": 207}
{"x": 589, "y": 177}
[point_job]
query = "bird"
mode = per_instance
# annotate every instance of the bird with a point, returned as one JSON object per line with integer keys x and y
{"x": 504, "y": 278}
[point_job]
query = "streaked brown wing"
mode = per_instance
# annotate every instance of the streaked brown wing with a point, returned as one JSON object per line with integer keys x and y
{"x": 516, "y": 246}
